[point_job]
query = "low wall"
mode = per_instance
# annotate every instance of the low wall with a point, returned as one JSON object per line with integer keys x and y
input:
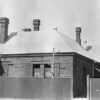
{"x": 30, "y": 88}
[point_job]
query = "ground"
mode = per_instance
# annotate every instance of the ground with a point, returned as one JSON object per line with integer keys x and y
{"x": 38, "y": 99}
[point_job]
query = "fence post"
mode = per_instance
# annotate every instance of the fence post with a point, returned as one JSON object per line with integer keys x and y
{"x": 88, "y": 87}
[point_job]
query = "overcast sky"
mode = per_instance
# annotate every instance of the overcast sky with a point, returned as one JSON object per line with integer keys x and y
{"x": 63, "y": 14}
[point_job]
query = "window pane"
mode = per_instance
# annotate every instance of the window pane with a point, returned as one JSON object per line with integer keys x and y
{"x": 48, "y": 72}
{"x": 38, "y": 70}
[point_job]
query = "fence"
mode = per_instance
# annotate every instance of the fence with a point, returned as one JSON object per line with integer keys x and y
{"x": 41, "y": 89}
{"x": 94, "y": 89}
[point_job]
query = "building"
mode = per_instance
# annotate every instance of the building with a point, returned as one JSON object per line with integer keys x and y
{"x": 45, "y": 53}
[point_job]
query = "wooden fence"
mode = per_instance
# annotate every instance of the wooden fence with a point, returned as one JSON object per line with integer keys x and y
{"x": 41, "y": 89}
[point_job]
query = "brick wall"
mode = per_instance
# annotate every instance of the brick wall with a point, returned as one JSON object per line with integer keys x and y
{"x": 80, "y": 76}
{"x": 63, "y": 65}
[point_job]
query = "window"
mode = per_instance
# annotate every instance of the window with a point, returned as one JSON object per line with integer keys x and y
{"x": 42, "y": 71}
{"x": 48, "y": 71}
{"x": 36, "y": 70}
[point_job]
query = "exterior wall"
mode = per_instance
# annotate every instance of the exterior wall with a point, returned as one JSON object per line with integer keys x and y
{"x": 23, "y": 66}
{"x": 65, "y": 66}
{"x": 97, "y": 70}
{"x": 79, "y": 76}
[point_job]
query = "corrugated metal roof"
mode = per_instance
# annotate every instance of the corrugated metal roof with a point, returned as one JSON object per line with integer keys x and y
{"x": 42, "y": 41}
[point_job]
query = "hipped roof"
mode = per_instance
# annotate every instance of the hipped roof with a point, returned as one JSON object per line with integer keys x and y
{"x": 42, "y": 41}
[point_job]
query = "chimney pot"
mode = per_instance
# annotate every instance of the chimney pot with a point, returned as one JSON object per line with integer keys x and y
{"x": 36, "y": 24}
{"x": 78, "y": 29}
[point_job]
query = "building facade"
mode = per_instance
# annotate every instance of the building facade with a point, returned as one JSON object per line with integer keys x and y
{"x": 46, "y": 54}
{"x": 66, "y": 65}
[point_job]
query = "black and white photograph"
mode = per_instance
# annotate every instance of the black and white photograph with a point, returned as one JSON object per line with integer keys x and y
{"x": 49, "y": 49}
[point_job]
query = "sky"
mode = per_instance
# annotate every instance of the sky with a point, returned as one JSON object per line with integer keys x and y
{"x": 66, "y": 15}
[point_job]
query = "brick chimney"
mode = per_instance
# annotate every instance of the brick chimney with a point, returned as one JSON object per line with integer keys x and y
{"x": 3, "y": 29}
{"x": 78, "y": 35}
{"x": 36, "y": 24}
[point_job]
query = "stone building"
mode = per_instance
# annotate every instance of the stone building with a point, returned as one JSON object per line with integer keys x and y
{"x": 45, "y": 53}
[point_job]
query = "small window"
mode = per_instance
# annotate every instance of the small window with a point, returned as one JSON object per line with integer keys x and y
{"x": 36, "y": 70}
{"x": 42, "y": 71}
{"x": 48, "y": 71}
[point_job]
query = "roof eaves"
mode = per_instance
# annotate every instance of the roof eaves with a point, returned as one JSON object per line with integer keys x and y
{"x": 37, "y": 54}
